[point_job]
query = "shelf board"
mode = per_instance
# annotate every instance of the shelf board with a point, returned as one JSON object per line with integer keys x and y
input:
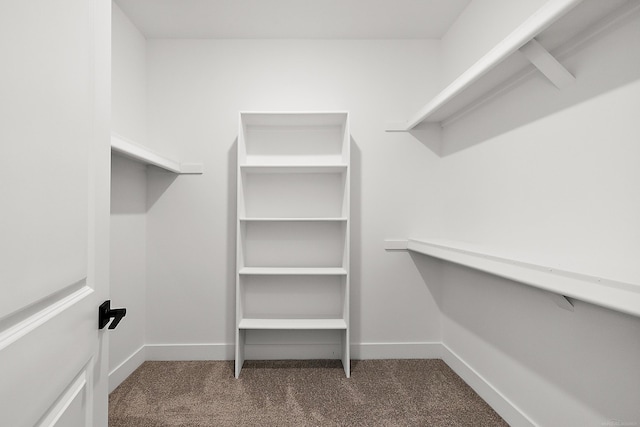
{"x": 343, "y": 219}
{"x": 292, "y": 324}
{"x": 294, "y": 168}
{"x": 277, "y": 271}
{"x": 294, "y": 118}
{"x": 142, "y": 154}
{"x": 619, "y": 296}
{"x": 560, "y": 25}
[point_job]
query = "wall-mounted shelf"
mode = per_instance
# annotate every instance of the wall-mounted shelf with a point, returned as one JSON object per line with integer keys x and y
{"x": 559, "y": 27}
{"x": 619, "y": 296}
{"x": 139, "y": 153}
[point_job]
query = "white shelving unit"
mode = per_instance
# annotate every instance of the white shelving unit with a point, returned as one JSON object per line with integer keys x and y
{"x": 293, "y": 225}
{"x": 557, "y": 29}
{"x": 137, "y": 152}
{"x": 619, "y": 296}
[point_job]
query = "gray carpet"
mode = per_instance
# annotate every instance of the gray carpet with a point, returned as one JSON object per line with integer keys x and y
{"x": 298, "y": 393}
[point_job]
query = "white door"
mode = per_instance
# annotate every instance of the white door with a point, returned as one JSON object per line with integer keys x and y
{"x": 54, "y": 211}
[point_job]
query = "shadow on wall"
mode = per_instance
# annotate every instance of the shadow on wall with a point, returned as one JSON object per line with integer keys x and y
{"x": 355, "y": 269}
{"x": 135, "y": 187}
{"x": 601, "y": 64}
{"x": 158, "y": 181}
{"x": 430, "y": 135}
{"x": 590, "y": 355}
{"x": 430, "y": 270}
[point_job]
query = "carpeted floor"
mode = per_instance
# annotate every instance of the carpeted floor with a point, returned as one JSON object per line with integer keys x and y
{"x": 298, "y": 393}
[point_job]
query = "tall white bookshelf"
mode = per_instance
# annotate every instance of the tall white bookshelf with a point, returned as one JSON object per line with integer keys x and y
{"x": 293, "y": 225}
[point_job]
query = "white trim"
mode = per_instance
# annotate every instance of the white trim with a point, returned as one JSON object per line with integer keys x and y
{"x": 190, "y": 351}
{"x": 59, "y": 408}
{"x": 126, "y": 368}
{"x": 27, "y": 325}
{"x": 499, "y": 402}
{"x": 404, "y": 350}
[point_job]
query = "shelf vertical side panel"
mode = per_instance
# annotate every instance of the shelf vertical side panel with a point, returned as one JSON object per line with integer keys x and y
{"x": 240, "y": 340}
{"x": 345, "y": 336}
{"x": 239, "y": 334}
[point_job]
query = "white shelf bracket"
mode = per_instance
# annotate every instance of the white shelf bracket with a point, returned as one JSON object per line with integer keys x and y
{"x": 547, "y": 64}
{"x": 562, "y": 301}
{"x": 397, "y": 127}
{"x": 395, "y": 245}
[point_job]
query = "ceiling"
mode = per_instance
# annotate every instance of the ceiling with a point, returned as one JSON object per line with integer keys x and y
{"x": 316, "y": 19}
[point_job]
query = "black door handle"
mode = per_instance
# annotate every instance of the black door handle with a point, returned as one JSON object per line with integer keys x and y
{"x": 105, "y": 313}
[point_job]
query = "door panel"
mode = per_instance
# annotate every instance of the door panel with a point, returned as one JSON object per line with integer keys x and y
{"x": 72, "y": 409}
{"x": 54, "y": 196}
{"x": 50, "y": 351}
{"x": 46, "y": 86}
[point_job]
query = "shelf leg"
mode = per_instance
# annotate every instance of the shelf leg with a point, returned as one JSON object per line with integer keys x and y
{"x": 240, "y": 339}
{"x": 346, "y": 358}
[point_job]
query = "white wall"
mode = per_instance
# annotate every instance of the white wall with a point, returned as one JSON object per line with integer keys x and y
{"x": 196, "y": 89}
{"x": 547, "y": 175}
{"x": 551, "y": 177}
{"x": 537, "y": 175}
{"x": 128, "y": 199}
{"x": 128, "y": 78}
{"x": 128, "y": 263}
{"x": 481, "y": 25}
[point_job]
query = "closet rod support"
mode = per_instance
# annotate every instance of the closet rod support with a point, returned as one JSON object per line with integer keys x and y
{"x": 547, "y": 64}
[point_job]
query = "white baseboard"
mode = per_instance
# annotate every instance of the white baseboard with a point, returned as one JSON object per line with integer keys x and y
{"x": 190, "y": 351}
{"x": 404, "y": 350}
{"x": 500, "y": 403}
{"x": 126, "y": 368}
{"x": 411, "y": 350}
